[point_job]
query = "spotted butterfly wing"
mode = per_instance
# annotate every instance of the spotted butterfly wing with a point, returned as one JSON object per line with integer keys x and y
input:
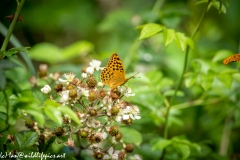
{"x": 114, "y": 74}
{"x": 233, "y": 58}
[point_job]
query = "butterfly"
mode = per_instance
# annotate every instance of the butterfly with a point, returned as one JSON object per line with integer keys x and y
{"x": 233, "y": 58}
{"x": 113, "y": 74}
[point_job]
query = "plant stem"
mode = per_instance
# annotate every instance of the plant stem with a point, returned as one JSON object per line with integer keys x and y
{"x": 184, "y": 69}
{"x": 157, "y": 6}
{"x": 11, "y": 27}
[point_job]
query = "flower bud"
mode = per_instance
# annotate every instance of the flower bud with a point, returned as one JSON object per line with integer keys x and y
{"x": 113, "y": 130}
{"x": 121, "y": 155}
{"x": 83, "y": 133}
{"x": 92, "y": 112}
{"x": 46, "y": 89}
{"x": 29, "y": 123}
{"x": 128, "y": 122}
{"x": 91, "y": 82}
{"x": 59, "y": 131}
{"x": 129, "y": 148}
{"x": 102, "y": 93}
{"x": 118, "y": 137}
{"x": 114, "y": 110}
{"x": 92, "y": 96}
{"x": 98, "y": 155}
{"x": 58, "y": 88}
{"x": 73, "y": 93}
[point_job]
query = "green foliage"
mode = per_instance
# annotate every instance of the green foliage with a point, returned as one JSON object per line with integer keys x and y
{"x": 56, "y": 54}
{"x": 151, "y": 29}
{"x": 189, "y": 102}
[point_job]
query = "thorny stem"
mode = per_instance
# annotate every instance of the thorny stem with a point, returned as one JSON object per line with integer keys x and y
{"x": 11, "y": 27}
{"x": 182, "y": 75}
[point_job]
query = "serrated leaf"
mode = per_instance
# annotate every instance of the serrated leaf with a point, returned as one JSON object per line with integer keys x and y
{"x": 181, "y": 40}
{"x": 161, "y": 144}
{"x": 12, "y": 51}
{"x": 7, "y": 64}
{"x": 66, "y": 110}
{"x": 219, "y": 6}
{"x": 29, "y": 139}
{"x": 225, "y": 79}
{"x": 206, "y": 80}
{"x": 54, "y": 114}
{"x": 184, "y": 149}
{"x": 149, "y": 30}
{"x": 168, "y": 35}
{"x": 36, "y": 113}
{"x": 131, "y": 136}
{"x": 26, "y": 139}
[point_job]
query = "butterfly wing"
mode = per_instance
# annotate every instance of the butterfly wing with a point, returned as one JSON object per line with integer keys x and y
{"x": 106, "y": 75}
{"x": 233, "y": 58}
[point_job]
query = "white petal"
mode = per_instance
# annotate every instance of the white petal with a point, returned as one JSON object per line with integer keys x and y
{"x": 110, "y": 151}
{"x": 125, "y": 116}
{"x": 62, "y": 80}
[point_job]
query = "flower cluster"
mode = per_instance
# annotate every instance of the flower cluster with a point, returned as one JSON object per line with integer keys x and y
{"x": 100, "y": 110}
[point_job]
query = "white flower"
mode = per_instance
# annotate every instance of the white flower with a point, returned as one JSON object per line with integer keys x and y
{"x": 135, "y": 157}
{"x": 127, "y": 91}
{"x": 90, "y": 70}
{"x": 83, "y": 91}
{"x": 46, "y": 89}
{"x": 69, "y": 77}
{"x": 100, "y": 84}
{"x": 84, "y": 75}
{"x": 64, "y": 97}
{"x": 113, "y": 155}
{"x": 132, "y": 112}
{"x": 43, "y": 67}
{"x": 95, "y": 64}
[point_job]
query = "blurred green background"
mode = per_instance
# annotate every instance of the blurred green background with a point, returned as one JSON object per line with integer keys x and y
{"x": 68, "y": 34}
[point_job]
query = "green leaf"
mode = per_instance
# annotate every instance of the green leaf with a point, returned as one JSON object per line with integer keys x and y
{"x": 52, "y": 112}
{"x": 66, "y": 110}
{"x": 150, "y": 29}
{"x": 181, "y": 40}
{"x": 77, "y": 48}
{"x": 26, "y": 139}
{"x": 184, "y": 149}
{"x": 190, "y": 79}
{"x": 168, "y": 35}
{"x": 221, "y": 55}
{"x": 7, "y": 64}
{"x": 12, "y": 51}
{"x": 36, "y": 112}
{"x": 48, "y": 144}
{"x": 46, "y": 52}
{"x": 225, "y": 79}
{"x": 161, "y": 144}
{"x": 131, "y": 136}
{"x": 219, "y": 6}
{"x": 206, "y": 80}
{"x": 2, "y": 80}
{"x": 201, "y": 1}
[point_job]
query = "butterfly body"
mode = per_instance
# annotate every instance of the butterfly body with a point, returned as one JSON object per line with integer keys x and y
{"x": 113, "y": 74}
{"x": 233, "y": 58}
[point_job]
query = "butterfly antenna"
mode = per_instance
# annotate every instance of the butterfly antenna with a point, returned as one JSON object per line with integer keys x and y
{"x": 135, "y": 75}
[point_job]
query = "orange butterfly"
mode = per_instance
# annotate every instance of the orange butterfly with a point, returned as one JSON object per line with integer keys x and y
{"x": 114, "y": 74}
{"x": 233, "y": 58}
